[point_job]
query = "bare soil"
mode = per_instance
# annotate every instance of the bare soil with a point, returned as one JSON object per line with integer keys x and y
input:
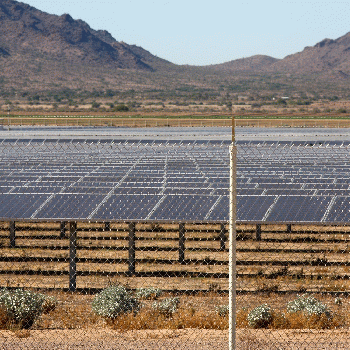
{"x": 191, "y": 339}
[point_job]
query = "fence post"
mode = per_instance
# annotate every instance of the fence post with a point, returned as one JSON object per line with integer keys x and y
{"x": 107, "y": 226}
{"x": 181, "y": 243}
{"x": 258, "y": 232}
{"x": 12, "y": 234}
{"x": 289, "y": 228}
{"x": 73, "y": 256}
{"x": 232, "y": 244}
{"x": 222, "y": 237}
{"x": 131, "y": 249}
{"x": 63, "y": 229}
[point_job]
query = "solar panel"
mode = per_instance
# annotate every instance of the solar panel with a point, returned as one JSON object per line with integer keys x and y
{"x": 69, "y": 206}
{"x": 299, "y": 209}
{"x": 184, "y": 208}
{"x": 339, "y": 211}
{"x": 127, "y": 207}
{"x": 20, "y": 206}
{"x": 173, "y": 180}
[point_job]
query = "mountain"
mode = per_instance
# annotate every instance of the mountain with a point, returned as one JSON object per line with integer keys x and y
{"x": 27, "y": 31}
{"x": 255, "y": 63}
{"x": 326, "y": 57}
{"x": 40, "y": 52}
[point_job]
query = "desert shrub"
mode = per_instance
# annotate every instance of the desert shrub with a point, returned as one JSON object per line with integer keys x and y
{"x": 309, "y": 306}
{"x": 148, "y": 293}
{"x": 121, "y": 108}
{"x": 167, "y": 306}
{"x": 223, "y": 310}
{"x": 49, "y": 304}
{"x": 114, "y": 301}
{"x": 21, "y": 307}
{"x": 260, "y": 317}
{"x": 338, "y": 301}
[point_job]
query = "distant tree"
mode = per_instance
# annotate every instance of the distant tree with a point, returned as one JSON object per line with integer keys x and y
{"x": 281, "y": 101}
{"x": 341, "y": 110}
{"x": 95, "y": 104}
{"x": 122, "y": 108}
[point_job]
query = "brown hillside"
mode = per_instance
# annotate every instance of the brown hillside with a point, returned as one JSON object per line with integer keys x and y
{"x": 27, "y": 31}
{"x": 40, "y": 52}
{"x": 326, "y": 57}
{"x": 255, "y": 63}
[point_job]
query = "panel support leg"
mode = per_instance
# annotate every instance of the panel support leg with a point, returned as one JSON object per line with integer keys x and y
{"x": 289, "y": 228}
{"x": 73, "y": 256}
{"x": 12, "y": 234}
{"x": 181, "y": 243}
{"x": 63, "y": 229}
{"x": 131, "y": 249}
{"x": 222, "y": 237}
{"x": 107, "y": 226}
{"x": 258, "y": 232}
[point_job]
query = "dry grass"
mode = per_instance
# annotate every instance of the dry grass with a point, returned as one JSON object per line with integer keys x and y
{"x": 184, "y": 318}
{"x": 285, "y": 320}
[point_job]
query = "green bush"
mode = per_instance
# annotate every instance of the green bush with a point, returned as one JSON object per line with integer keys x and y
{"x": 260, "y": 317}
{"x": 167, "y": 306}
{"x": 121, "y": 108}
{"x": 223, "y": 310}
{"x": 309, "y": 306}
{"x": 114, "y": 301}
{"x": 23, "y": 307}
{"x": 49, "y": 304}
{"x": 148, "y": 293}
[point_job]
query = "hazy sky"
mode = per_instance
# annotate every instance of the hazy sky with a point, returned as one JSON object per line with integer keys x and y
{"x": 202, "y": 32}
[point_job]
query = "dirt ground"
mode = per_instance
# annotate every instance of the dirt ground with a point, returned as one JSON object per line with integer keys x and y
{"x": 174, "y": 339}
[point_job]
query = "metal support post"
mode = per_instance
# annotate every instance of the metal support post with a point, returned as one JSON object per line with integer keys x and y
{"x": 12, "y": 234}
{"x": 232, "y": 242}
{"x": 72, "y": 256}
{"x": 107, "y": 226}
{"x": 289, "y": 228}
{"x": 131, "y": 249}
{"x": 258, "y": 232}
{"x": 63, "y": 229}
{"x": 181, "y": 243}
{"x": 222, "y": 237}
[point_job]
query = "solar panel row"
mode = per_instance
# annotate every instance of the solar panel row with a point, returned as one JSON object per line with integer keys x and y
{"x": 173, "y": 180}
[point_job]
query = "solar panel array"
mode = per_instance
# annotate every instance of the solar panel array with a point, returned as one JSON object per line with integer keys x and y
{"x": 173, "y": 180}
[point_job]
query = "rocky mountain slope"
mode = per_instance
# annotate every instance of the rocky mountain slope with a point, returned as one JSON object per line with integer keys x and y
{"x": 44, "y": 52}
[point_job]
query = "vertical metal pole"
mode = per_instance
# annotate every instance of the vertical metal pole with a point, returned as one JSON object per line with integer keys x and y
{"x": 232, "y": 242}
{"x": 131, "y": 249}
{"x": 72, "y": 256}
{"x": 12, "y": 234}
{"x": 63, "y": 229}
{"x": 107, "y": 226}
{"x": 222, "y": 237}
{"x": 8, "y": 116}
{"x": 289, "y": 228}
{"x": 258, "y": 232}
{"x": 182, "y": 243}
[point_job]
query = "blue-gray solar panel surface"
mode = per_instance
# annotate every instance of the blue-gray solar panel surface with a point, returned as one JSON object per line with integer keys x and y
{"x": 173, "y": 180}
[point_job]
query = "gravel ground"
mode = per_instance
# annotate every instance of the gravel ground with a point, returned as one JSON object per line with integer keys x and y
{"x": 176, "y": 340}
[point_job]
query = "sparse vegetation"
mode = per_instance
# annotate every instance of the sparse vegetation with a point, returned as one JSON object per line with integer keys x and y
{"x": 21, "y": 308}
{"x": 260, "y": 317}
{"x": 114, "y": 301}
{"x": 167, "y": 307}
{"x": 148, "y": 293}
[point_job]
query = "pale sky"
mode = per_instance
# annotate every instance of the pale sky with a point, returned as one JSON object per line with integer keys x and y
{"x": 202, "y": 32}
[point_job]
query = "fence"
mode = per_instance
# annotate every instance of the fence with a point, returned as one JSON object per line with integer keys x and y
{"x": 125, "y": 244}
{"x": 195, "y": 121}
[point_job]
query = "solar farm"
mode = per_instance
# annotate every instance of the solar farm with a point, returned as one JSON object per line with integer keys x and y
{"x": 82, "y": 209}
